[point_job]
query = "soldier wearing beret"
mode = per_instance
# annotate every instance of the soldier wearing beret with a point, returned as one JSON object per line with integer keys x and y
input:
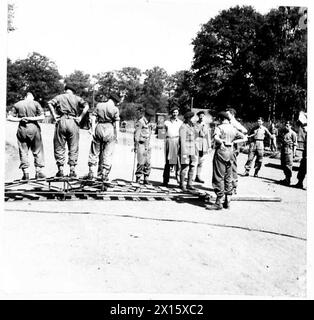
{"x": 256, "y": 148}
{"x": 65, "y": 110}
{"x": 172, "y": 127}
{"x": 105, "y": 128}
{"x": 188, "y": 151}
{"x": 142, "y": 134}
{"x": 225, "y": 136}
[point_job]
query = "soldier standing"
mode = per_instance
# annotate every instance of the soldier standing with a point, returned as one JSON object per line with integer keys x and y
{"x": 105, "y": 129}
{"x": 225, "y": 136}
{"x": 273, "y": 141}
{"x": 203, "y": 143}
{"x": 288, "y": 150}
{"x": 172, "y": 127}
{"x": 142, "y": 134}
{"x": 65, "y": 111}
{"x": 188, "y": 151}
{"x": 28, "y": 112}
{"x": 256, "y": 148}
{"x": 236, "y": 151}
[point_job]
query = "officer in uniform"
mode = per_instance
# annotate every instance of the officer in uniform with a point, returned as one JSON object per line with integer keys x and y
{"x": 188, "y": 151}
{"x": 142, "y": 134}
{"x": 256, "y": 147}
{"x": 203, "y": 143}
{"x": 105, "y": 129}
{"x": 28, "y": 112}
{"x": 236, "y": 151}
{"x": 65, "y": 110}
{"x": 288, "y": 149}
{"x": 225, "y": 136}
{"x": 172, "y": 127}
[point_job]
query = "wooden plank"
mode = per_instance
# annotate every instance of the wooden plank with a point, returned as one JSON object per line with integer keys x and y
{"x": 31, "y": 196}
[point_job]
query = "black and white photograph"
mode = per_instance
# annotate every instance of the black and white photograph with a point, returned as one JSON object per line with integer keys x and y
{"x": 155, "y": 149}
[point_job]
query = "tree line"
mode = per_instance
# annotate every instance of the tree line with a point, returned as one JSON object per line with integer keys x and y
{"x": 255, "y": 63}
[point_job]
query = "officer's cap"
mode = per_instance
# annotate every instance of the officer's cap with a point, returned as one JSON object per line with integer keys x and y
{"x": 174, "y": 108}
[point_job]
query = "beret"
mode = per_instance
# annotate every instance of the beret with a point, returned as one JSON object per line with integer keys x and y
{"x": 188, "y": 115}
{"x": 223, "y": 115}
{"x": 149, "y": 112}
{"x": 201, "y": 112}
{"x": 69, "y": 87}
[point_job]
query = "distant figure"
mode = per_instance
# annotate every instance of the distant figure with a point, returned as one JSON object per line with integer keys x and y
{"x": 28, "y": 112}
{"x": 142, "y": 135}
{"x": 256, "y": 148}
{"x": 64, "y": 109}
{"x": 172, "y": 127}
{"x": 288, "y": 149}
{"x": 225, "y": 136}
{"x": 302, "y": 168}
{"x": 236, "y": 149}
{"x": 273, "y": 141}
{"x": 203, "y": 144}
{"x": 188, "y": 151}
{"x": 105, "y": 130}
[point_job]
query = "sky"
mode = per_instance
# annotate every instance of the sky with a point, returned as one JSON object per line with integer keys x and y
{"x": 103, "y": 35}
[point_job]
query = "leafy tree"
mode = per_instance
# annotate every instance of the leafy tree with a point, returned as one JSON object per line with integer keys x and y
{"x": 255, "y": 63}
{"x": 107, "y": 83}
{"x": 224, "y": 59}
{"x": 129, "y": 79}
{"x": 10, "y": 26}
{"x": 37, "y": 74}
{"x": 81, "y": 82}
{"x": 183, "y": 90}
{"x": 153, "y": 89}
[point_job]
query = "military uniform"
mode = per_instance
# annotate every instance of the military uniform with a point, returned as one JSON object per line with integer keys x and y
{"x": 289, "y": 143}
{"x": 203, "y": 145}
{"x": 28, "y": 133}
{"x": 302, "y": 169}
{"x": 142, "y": 134}
{"x": 67, "y": 130}
{"x": 188, "y": 152}
{"x": 106, "y": 114}
{"x": 236, "y": 151}
{"x": 171, "y": 147}
{"x": 223, "y": 157}
{"x": 256, "y": 149}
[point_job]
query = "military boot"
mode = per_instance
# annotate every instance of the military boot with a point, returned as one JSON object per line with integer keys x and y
{"x": 72, "y": 172}
{"x": 226, "y": 204}
{"x": 60, "y": 172}
{"x": 25, "y": 176}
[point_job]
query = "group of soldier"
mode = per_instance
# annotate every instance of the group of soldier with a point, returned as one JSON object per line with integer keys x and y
{"x": 186, "y": 143}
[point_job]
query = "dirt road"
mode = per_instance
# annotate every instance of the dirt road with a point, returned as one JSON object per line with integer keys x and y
{"x": 102, "y": 247}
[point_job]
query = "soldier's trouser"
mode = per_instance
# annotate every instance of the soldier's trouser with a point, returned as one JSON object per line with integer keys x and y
{"x": 273, "y": 144}
{"x": 302, "y": 170}
{"x": 102, "y": 147}
{"x": 188, "y": 167}
{"x": 143, "y": 159}
{"x": 286, "y": 164}
{"x": 222, "y": 176}
{"x": 67, "y": 132}
{"x": 200, "y": 162}
{"x": 29, "y": 137}
{"x": 234, "y": 165}
{"x": 259, "y": 153}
